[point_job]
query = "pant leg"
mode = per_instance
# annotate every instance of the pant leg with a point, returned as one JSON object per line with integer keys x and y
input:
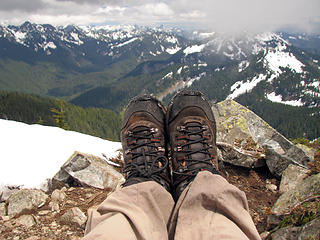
{"x": 139, "y": 211}
{"x": 211, "y": 208}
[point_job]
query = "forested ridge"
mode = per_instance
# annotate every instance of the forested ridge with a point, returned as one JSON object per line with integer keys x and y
{"x": 33, "y": 109}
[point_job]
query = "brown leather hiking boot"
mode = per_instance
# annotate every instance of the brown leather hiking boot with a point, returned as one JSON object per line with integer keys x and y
{"x": 192, "y": 131}
{"x": 143, "y": 142}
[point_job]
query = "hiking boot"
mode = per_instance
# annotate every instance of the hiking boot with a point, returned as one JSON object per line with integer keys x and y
{"x": 192, "y": 131}
{"x": 143, "y": 142}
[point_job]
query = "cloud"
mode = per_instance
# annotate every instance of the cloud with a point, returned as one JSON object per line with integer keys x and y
{"x": 21, "y": 5}
{"x": 216, "y": 15}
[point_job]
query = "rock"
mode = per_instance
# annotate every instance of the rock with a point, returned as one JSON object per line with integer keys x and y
{"x": 270, "y": 186}
{"x": 3, "y": 209}
{"x": 307, "y": 150}
{"x": 33, "y": 238}
{"x": 264, "y": 235}
{"x": 6, "y": 191}
{"x": 74, "y": 216}
{"x": 26, "y": 220}
{"x": 239, "y": 157}
{"x": 277, "y": 161}
{"x": 87, "y": 170}
{"x": 273, "y": 221}
{"x": 58, "y": 196}
{"x": 291, "y": 177}
{"x": 26, "y": 200}
{"x": 305, "y": 189}
{"x": 237, "y": 125}
{"x": 286, "y": 233}
{"x": 54, "y": 206}
{"x": 310, "y": 230}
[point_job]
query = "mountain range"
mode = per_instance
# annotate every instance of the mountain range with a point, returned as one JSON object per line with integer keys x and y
{"x": 277, "y": 75}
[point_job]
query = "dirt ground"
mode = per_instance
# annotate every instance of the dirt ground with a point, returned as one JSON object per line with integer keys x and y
{"x": 252, "y": 182}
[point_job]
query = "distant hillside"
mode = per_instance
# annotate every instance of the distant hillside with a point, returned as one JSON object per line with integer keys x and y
{"x": 33, "y": 109}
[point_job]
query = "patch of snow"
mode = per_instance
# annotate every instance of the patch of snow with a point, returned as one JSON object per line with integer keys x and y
{"x": 31, "y": 154}
{"x": 171, "y": 39}
{"x": 190, "y": 82}
{"x": 316, "y": 84}
{"x": 179, "y": 70}
{"x": 194, "y": 49}
{"x": 278, "y": 98}
{"x": 169, "y": 75}
{"x": 315, "y": 61}
{"x": 243, "y": 65}
{"x": 153, "y": 54}
{"x": 126, "y": 43}
{"x": 173, "y": 50}
{"x": 49, "y": 45}
{"x": 276, "y": 59}
{"x": 19, "y": 36}
{"x": 241, "y": 87}
{"x": 75, "y": 36}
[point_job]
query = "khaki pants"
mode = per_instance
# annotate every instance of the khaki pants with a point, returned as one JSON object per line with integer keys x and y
{"x": 209, "y": 208}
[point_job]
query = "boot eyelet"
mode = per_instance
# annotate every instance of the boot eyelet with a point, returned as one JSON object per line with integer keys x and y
{"x": 181, "y": 128}
{"x": 154, "y": 130}
{"x": 177, "y": 149}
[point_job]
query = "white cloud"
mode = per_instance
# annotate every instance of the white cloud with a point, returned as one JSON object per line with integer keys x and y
{"x": 226, "y": 15}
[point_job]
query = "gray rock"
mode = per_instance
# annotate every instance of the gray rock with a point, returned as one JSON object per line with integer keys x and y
{"x": 26, "y": 220}
{"x": 25, "y": 200}
{"x": 74, "y": 216}
{"x": 87, "y": 170}
{"x": 291, "y": 177}
{"x": 3, "y": 209}
{"x": 236, "y": 123}
{"x": 278, "y": 161}
{"x": 238, "y": 156}
{"x": 58, "y": 196}
{"x": 310, "y": 230}
{"x": 305, "y": 189}
{"x": 6, "y": 191}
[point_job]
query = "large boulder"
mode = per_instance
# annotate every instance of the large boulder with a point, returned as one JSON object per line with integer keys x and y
{"x": 305, "y": 189}
{"x": 240, "y": 127}
{"x": 88, "y": 171}
{"x": 25, "y": 200}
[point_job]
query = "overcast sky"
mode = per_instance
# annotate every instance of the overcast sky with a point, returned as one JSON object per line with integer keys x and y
{"x": 217, "y": 15}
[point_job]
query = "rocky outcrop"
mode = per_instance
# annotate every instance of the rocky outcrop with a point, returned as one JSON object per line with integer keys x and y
{"x": 87, "y": 170}
{"x": 291, "y": 177}
{"x": 26, "y": 200}
{"x": 308, "y": 231}
{"x": 308, "y": 188}
{"x": 241, "y": 128}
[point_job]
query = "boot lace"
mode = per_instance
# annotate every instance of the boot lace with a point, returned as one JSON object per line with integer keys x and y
{"x": 194, "y": 142}
{"x": 147, "y": 160}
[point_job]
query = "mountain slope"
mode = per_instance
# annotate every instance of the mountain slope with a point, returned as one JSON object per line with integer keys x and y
{"x": 105, "y": 66}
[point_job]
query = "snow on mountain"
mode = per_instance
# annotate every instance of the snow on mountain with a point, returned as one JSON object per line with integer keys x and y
{"x": 278, "y": 57}
{"x": 30, "y": 154}
{"x": 242, "y": 87}
{"x": 278, "y": 98}
{"x": 194, "y": 49}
